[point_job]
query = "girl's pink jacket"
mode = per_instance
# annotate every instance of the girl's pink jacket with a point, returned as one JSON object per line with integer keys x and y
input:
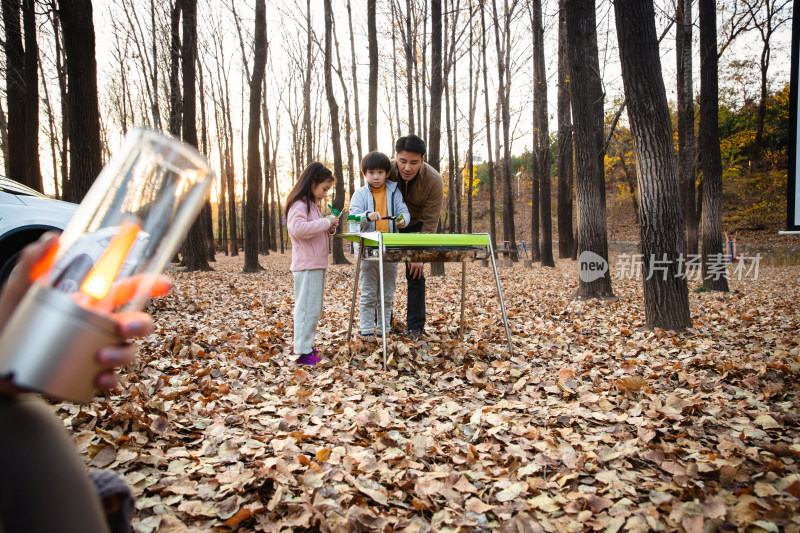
{"x": 309, "y": 234}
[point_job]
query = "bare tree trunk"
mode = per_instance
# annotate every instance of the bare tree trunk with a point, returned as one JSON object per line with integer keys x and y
{"x": 566, "y": 243}
{"x": 473, "y": 98}
{"x": 394, "y": 71}
{"x": 84, "y": 135}
{"x": 456, "y": 173}
{"x": 206, "y": 214}
{"x": 307, "y": 89}
{"x": 15, "y": 91}
{"x": 436, "y": 84}
{"x": 509, "y": 231}
{"x": 266, "y": 228}
{"x": 714, "y": 276}
{"x": 195, "y": 251}
{"x": 449, "y": 54}
{"x": 348, "y": 128}
{"x": 372, "y": 114}
{"x": 492, "y": 224}
{"x": 542, "y": 137}
{"x": 175, "y": 98}
{"x": 252, "y": 219}
{"x": 156, "y": 109}
{"x": 355, "y": 86}
{"x": 666, "y": 293}
{"x": 338, "y": 199}
{"x": 62, "y": 85}
{"x": 424, "y": 124}
{"x": 51, "y": 127}
{"x": 686, "y": 140}
{"x": 409, "y": 70}
{"x": 33, "y": 173}
{"x": 587, "y": 112}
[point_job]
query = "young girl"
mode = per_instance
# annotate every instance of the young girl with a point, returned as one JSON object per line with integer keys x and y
{"x": 308, "y": 230}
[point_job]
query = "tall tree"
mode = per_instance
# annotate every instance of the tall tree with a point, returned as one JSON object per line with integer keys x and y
{"x": 355, "y": 86}
{"x": 372, "y": 113}
{"x": 84, "y": 134}
{"x": 503, "y": 71}
{"x": 175, "y": 99}
{"x": 587, "y": 113}
{"x": 492, "y": 224}
{"x": 473, "y": 101}
{"x": 710, "y": 158}
{"x": 541, "y": 144}
{"x": 195, "y": 254}
{"x": 338, "y": 198}
{"x": 766, "y": 16}
{"x": 410, "y": 60}
{"x": 435, "y": 129}
{"x": 566, "y": 243}
{"x": 666, "y": 294}
{"x": 307, "y": 128}
{"x": 686, "y": 140}
{"x": 15, "y": 91}
{"x": 252, "y": 219}
{"x": 33, "y": 173}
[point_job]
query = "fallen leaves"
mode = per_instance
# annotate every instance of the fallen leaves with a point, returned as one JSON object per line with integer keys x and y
{"x": 594, "y": 424}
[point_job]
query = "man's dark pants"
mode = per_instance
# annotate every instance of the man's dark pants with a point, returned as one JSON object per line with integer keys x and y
{"x": 415, "y": 319}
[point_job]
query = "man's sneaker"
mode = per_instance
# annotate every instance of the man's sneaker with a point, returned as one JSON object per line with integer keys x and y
{"x": 415, "y": 334}
{"x": 368, "y": 337}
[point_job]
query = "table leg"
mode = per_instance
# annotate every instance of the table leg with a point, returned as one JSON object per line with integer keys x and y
{"x": 502, "y": 305}
{"x": 383, "y": 308}
{"x": 463, "y": 285}
{"x": 355, "y": 289}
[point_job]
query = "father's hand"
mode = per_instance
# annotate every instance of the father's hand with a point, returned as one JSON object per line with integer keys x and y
{"x": 416, "y": 270}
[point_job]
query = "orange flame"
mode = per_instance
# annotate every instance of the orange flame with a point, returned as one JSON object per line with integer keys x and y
{"x": 102, "y": 275}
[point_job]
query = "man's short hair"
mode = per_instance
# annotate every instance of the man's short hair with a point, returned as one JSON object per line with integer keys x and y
{"x": 376, "y": 161}
{"x": 410, "y": 143}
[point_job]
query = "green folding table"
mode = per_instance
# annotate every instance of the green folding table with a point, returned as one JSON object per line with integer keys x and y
{"x": 425, "y": 248}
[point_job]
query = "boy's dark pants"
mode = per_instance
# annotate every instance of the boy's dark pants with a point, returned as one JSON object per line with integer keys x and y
{"x": 415, "y": 319}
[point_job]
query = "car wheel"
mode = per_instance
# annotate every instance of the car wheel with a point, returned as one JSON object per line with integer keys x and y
{"x": 8, "y": 266}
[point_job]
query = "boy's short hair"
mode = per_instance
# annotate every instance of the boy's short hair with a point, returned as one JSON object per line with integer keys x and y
{"x": 410, "y": 143}
{"x": 376, "y": 161}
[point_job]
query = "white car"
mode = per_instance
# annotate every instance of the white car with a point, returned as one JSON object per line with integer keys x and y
{"x": 24, "y": 216}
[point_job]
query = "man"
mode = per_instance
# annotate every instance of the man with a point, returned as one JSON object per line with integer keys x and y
{"x": 422, "y": 190}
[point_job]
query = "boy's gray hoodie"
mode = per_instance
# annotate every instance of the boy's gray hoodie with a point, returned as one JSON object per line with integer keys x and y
{"x": 363, "y": 202}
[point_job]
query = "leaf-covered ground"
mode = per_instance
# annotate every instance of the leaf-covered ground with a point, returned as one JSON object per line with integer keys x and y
{"x": 595, "y": 424}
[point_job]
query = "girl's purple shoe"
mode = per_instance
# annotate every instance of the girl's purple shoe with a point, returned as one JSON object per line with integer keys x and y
{"x": 309, "y": 359}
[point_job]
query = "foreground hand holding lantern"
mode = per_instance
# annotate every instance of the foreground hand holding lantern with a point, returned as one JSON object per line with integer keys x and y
{"x": 128, "y": 227}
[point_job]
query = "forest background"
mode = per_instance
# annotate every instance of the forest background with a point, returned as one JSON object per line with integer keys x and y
{"x": 137, "y": 84}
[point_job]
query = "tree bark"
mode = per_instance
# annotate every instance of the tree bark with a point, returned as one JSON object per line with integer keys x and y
{"x": 509, "y": 230}
{"x": 492, "y": 223}
{"x": 710, "y": 158}
{"x": 195, "y": 253}
{"x": 84, "y": 135}
{"x": 666, "y": 294}
{"x": 435, "y": 129}
{"x": 15, "y": 91}
{"x": 587, "y": 112}
{"x": 542, "y": 135}
{"x": 355, "y": 87}
{"x": 372, "y": 112}
{"x": 252, "y": 219}
{"x": 566, "y": 244}
{"x": 686, "y": 140}
{"x": 174, "y": 70}
{"x": 33, "y": 173}
{"x": 409, "y": 69}
{"x": 338, "y": 199}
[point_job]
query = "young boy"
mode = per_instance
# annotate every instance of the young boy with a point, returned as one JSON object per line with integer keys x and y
{"x": 377, "y": 200}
